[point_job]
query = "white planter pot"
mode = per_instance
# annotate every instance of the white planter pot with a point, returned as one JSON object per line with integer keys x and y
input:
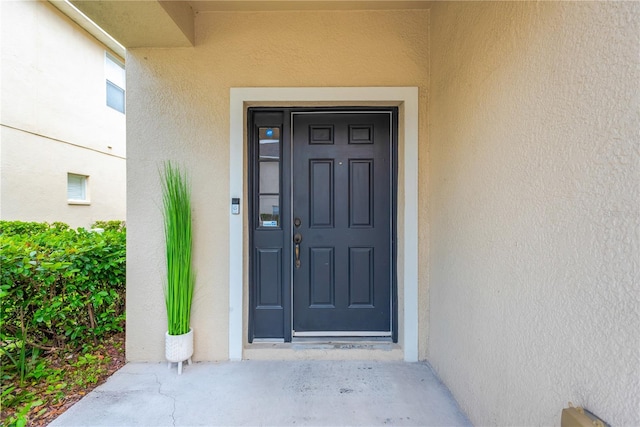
{"x": 178, "y": 348}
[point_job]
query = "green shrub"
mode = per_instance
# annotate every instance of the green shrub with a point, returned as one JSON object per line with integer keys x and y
{"x": 110, "y": 225}
{"x": 20, "y": 227}
{"x": 59, "y": 287}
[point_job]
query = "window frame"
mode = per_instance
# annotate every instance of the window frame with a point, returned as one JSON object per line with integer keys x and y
{"x": 84, "y": 182}
{"x": 111, "y": 84}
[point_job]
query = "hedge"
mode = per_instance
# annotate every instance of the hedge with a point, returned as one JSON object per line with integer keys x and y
{"x": 59, "y": 286}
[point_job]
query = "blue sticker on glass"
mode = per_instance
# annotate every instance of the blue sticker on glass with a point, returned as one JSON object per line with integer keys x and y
{"x": 269, "y": 133}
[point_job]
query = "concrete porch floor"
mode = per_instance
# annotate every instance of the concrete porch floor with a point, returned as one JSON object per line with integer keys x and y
{"x": 269, "y": 393}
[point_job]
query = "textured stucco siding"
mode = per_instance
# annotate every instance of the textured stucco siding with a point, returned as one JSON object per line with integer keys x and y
{"x": 34, "y": 181}
{"x": 55, "y": 119}
{"x": 179, "y": 110}
{"x": 534, "y": 193}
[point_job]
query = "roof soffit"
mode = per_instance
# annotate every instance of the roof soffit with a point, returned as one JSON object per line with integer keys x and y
{"x": 146, "y": 23}
{"x": 274, "y": 5}
{"x": 170, "y": 23}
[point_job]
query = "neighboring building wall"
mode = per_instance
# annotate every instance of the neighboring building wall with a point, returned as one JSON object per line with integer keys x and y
{"x": 55, "y": 120}
{"x": 179, "y": 102}
{"x": 534, "y": 191}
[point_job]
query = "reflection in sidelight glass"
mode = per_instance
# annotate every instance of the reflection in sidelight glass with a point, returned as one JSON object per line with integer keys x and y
{"x": 269, "y": 143}
{"x": 269, "y": 210}
{"x": 269, "y": 177}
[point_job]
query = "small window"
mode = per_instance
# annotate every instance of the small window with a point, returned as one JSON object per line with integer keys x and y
{"x": 269, "y": 177}
{"x": 77, "y": 191}
{"x": 115, "y": 97}
{"x": 115, "y": 74}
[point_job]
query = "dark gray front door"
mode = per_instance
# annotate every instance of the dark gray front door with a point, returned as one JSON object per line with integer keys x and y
{"x": 342, "y": 217}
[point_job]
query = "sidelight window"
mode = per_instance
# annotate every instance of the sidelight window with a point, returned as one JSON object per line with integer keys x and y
{"x": 269, "y": 173}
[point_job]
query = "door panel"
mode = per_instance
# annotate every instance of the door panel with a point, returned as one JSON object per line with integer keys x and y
{"x": 361, "y": 193}
{"x": 269, "y": 273}
{"x": 361, "y": 277}
{"x": 321, "y": 195}
{"x": 322, "y": 278}
{"x": 269, "y": 265}
{"x": 342, "y": 186}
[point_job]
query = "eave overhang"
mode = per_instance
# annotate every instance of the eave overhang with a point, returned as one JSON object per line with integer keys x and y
{"x": 147, "y": 23}
{"x": 170, "y": 23}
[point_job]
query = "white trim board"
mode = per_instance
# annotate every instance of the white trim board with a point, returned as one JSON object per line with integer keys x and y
{"x": 407, "y": 98}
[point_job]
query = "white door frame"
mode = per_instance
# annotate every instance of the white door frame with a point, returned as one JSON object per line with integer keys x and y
{"x": 404, "y": 97}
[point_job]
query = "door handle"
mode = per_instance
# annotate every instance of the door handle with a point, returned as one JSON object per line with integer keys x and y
{"x": 297, "y": 238}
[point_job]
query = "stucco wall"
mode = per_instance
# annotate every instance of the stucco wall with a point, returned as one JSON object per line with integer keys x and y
{"x": 55, "y": 119}
{"x": 534, "y": 190}
{"x": 34, "y": 181}
{"x": 179, "y": 102}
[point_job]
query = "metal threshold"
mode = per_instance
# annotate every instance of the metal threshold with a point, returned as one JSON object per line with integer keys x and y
{"x": 341, "y": 333}
{"x": 344, "y": 339}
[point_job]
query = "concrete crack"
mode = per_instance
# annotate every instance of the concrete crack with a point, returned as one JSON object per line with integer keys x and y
{"x": 173, "y": 399}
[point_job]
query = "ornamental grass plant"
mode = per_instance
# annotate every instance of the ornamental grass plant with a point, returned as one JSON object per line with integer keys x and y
{"x": 178, "y": 291}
